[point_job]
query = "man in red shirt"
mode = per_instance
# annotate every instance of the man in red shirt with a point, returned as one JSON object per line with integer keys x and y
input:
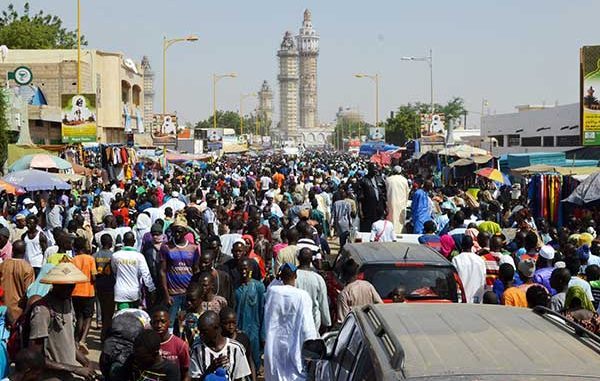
{"x": 172, "y": 348}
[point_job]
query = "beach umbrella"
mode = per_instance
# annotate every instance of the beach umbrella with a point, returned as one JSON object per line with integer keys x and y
{"x": 34, "y": 180}
{"x": 11, "y": 188}
{"x": 587, "y": 192}
{"x": 41, "y": 161}
{"x": 494, "y": 175}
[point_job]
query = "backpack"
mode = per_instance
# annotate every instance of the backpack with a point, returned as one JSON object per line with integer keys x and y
{"x": 18, "y": 338}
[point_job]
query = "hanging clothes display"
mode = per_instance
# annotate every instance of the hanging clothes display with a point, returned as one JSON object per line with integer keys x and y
{"x": 545, "y": 192}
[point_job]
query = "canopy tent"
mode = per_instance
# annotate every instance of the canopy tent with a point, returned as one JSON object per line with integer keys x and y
{"x": 40, "y": 161}
{"x": 587, "y": 192}
{"x": 70, "y": 177}
{"x": 461, "y": 163}
{"x": 235, "y": 148}
{"x": 175, "y": 157}
{"x": 34, "y": 180}
{"x": 464, "y": 151}
{"x": 544, "y": 168}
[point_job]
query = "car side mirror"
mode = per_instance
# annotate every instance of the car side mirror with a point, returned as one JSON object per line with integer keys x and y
{"x": 314, "y": 350}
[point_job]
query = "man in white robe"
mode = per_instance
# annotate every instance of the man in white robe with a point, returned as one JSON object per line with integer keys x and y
{"x": 397, "y": 199}
{"x": 288, "y": 323}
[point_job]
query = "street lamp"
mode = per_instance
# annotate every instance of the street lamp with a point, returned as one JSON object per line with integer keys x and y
{"x": 78, "y": 47}
{"x": 166, "y": 44}
{"x": 216, "y": 78}
{"x": 375, "y": 79}
{"x": 242, "y": 97}
{"x": 428, "y": 59}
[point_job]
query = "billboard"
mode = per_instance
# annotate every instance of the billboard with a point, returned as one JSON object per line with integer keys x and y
{"x": 78, "y": 116}
{"x": 376, "y": 134}
{"x": 214, "y": 139}
{"x": 589, "y": 86}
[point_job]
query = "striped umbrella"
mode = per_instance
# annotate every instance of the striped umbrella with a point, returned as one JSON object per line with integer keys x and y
{"x": 41, "y": 161}
{"x": 494, "y": 175}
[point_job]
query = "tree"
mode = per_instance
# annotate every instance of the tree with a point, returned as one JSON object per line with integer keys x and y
{"x": 227, "y": 119}
{"x": 4, "y": 127}
{"x": 406, "y": 122}
{"x": 37, "y": 31}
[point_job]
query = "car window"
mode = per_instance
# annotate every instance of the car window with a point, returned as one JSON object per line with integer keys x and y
{"x": 349, "y": 355}
{"x": 364, "y": 369}
{"x": 342, "y": 341}
{"x": 420, "y": 282}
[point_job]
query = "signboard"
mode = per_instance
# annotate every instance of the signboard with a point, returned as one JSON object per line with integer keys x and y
{"x": 376, "y": 134}
{"x": 266, "y": 142}
{"x": 589, "y": 87}
{"x": 22, "y": 75}
{"x": 78, "y": 114}
{"x": 214, "y": 138}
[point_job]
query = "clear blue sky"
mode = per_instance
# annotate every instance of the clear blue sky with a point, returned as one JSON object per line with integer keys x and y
{"x": 510, "y": 52}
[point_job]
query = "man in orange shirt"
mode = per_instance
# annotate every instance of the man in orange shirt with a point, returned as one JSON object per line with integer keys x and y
{"x": 512, "y": 296}
{"x": 278, "y": 178}
{"x": 83, "y": 295}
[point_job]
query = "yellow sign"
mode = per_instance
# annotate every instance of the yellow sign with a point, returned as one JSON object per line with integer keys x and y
{"x": 79, "y": 118}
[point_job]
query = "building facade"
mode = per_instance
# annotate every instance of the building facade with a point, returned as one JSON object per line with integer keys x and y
{"x": 288, "y": 88}
{"x": 117, "y": 83}
{"x": 265, "y": 107}
{"x": 533, "y": 129}
{"x": 148, "y": 92}
{"x": 308, "y": 48}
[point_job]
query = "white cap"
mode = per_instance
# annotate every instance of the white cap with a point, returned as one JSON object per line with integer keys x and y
{"x": 28, "y": 201}
{"x": 547, "y": 252}
{"x": 174, "y": 194}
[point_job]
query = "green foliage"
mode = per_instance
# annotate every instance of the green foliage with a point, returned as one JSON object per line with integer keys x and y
{"x": 229, "y": 119}
{"x": 35, "y": 31}
{"x": 406, "y": 122}
{"x": 4, "y": 127}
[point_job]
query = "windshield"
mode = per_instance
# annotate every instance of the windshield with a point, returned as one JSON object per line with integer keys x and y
{"x": 420, "y": 282}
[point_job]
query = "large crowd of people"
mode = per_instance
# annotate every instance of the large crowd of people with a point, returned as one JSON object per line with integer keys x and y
{"x": 216, "y": 273}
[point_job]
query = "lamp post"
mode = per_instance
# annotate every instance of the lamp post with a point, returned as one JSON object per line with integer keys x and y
{"x": 166, "y": 44}
{"x": 78, "y": 46}
{"x": 429, "y": 60}
{"x": 242, "y": 97}
{"x": 216, "y": 78}
{"x": 375, "y": 78}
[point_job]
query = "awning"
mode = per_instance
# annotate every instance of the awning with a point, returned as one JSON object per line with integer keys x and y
{"x": 565, "y": 171}
{"x": 463, "y": 151}
{"x": 461, "y": 163}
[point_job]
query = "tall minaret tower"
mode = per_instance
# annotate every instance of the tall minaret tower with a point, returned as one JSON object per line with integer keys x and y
{"x": 148, "y": 93}
{"x": 288, "y": 87}
{"x": 308, "y": 48}
{"x": 265, "y": 107}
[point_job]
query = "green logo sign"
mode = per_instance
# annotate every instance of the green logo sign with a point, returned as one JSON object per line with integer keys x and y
{"x": 23, "y": 75}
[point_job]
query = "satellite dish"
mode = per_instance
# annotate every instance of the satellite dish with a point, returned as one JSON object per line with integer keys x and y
{"x": 131, "y": 65}
{"x": 3, "y": 52}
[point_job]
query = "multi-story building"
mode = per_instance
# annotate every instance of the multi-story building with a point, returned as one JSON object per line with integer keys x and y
{"x": 533, "y": 128}
{"x": 148, "y": 92}
{"x": 117, "y": 82}
{"x": 288, "y": 88}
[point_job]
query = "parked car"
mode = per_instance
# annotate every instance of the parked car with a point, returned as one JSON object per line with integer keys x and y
{"x": 426, "y": 274}
{"x": 463, "y": 342}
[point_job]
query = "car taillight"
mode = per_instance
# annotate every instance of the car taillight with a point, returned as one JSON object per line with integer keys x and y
{"x": 460, "y": 291}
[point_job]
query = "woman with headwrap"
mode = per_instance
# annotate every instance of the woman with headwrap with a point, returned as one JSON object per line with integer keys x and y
{"x": 252, "y": 255}
{"x": 579, "y": 308}
{"x": 448, "y": 246}
{"x": 473, "y": 233}
{"x": 142, "y": 226}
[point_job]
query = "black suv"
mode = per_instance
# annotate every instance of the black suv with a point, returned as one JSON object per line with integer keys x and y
{"x": 454, "y": 342}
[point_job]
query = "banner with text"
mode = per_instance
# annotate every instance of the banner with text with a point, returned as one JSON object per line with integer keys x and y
{"x": 590, "y": 105}
{"x": 214, "y": 139}
{"x": 78, "y": 115}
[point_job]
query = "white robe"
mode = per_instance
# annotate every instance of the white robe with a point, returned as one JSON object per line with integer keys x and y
{"x": 288, "y": 323}
{"x": 397, "y": 200}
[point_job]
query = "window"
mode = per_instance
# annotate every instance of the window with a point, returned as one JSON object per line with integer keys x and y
{"x": 364, "y": 369}
{"x": 548, "y": 141}
{"x": 514, "y": 140}
{"x": 568, "y": 141}
{"x": 349, "y": 355}
{"x": 39, "y": 123}
{"x": 125, "y": 87}
{"x": 500, "y": 139}
{"x": 341, "y": 343}
{"x": 533, "y": 141}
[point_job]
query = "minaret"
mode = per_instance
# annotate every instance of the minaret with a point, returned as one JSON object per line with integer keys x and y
{"x": 308, "y": 48}
{"x": 288, "y": 87}
{"x": 265, "y": 107}
{"x": 148, "y": 93}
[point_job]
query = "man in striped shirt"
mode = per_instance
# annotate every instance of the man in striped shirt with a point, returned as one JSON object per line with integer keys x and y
{"x": 215, "y": 351}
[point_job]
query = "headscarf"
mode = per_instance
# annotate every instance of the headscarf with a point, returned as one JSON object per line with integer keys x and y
{"x": 142, "y": 226}
{"x": 473, "y": 233}
{"x": 261, "y": 262}
{"x": 577, "y": 292}
{"x": 448, "y": 245}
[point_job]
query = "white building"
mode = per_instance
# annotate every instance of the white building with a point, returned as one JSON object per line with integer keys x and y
{"x": 534, "y": 128}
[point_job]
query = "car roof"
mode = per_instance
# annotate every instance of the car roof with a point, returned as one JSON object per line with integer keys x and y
{"x": 394, "y": 252}
{"x": 451, "y": 340}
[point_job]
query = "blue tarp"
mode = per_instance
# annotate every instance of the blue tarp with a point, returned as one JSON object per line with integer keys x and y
{"x": 371, "y": 148}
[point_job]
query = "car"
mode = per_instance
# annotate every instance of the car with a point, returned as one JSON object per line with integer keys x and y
{"x": 466, "y": 342}
{"x": 426, "y": 274}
